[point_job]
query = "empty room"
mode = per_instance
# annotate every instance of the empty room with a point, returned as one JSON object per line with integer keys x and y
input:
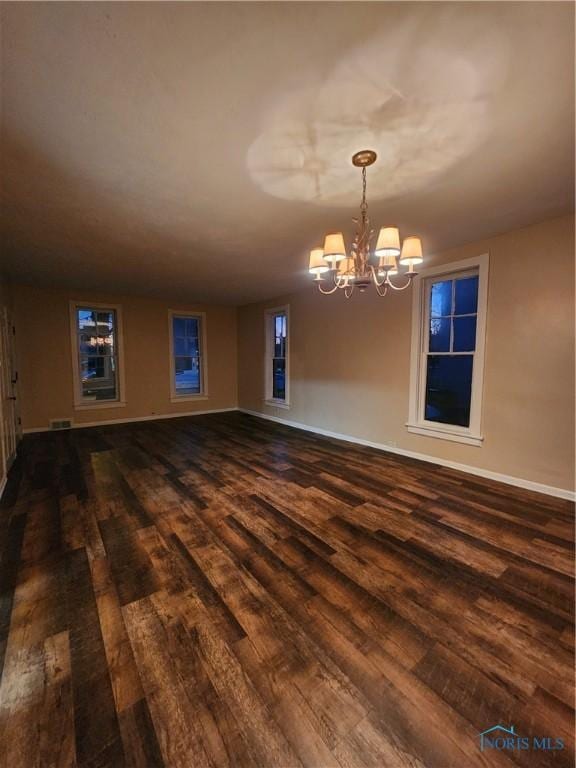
{"x": 287, "y": 397}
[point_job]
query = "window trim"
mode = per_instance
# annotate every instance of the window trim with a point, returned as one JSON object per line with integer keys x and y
{"x": 416, "y": 423}
{"x": 79, "y": 403}
{"x": 203, "y": 394}
{"x": 268, "y": 330}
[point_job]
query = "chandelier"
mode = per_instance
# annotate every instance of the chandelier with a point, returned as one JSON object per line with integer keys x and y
{"x": 362, "y": 267}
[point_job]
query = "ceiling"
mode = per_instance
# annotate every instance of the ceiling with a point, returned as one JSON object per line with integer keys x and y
{"x": 197, "y": 151}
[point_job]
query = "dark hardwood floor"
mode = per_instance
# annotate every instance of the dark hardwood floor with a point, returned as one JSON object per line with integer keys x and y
{"x": 221, "y": 591}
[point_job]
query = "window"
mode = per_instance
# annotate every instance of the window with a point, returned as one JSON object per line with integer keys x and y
{"x": 448, "y": 351}
{"x": 97, "y": 364}
{"x": 277, "y": 361}
{"x": 187, "y": 356}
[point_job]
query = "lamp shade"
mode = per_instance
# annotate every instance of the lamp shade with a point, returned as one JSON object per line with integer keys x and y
{"x": 317, "y": 263}
{"x": 388, "y": 242}
{"x": 411, "y": 251}
{"x": 334, "y": 249}
{"x": 388, "y": 266}
{"x": 346, "y": 270}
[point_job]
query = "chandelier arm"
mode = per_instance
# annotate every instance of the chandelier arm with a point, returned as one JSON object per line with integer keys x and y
{"x": 327, "y": 293}
{"x": 399, "y": 287}
{"x": 375, "y": 278}
{"x": 348, "y": 291}
{"x": 339, "y": 281}
{"x": 379, "y": 290}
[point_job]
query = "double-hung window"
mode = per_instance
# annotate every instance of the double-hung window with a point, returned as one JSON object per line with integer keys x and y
{"x": 96, "y": 336}
{"x": 187, "y": 356}
{"x": 448, "y": 335}
{"x": 277, "y": 363}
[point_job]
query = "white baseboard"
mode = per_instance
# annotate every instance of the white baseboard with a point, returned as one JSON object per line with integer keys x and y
{"x": 528, "y": 485}
{"x": 154, "y": 417}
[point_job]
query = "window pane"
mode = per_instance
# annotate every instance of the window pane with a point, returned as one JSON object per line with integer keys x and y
{"x": 92, "y": 368}
{"x": 99, "y": 323}
{"x": 98, "y": 375}
{"x": 178, "y": 326}
{"x": 440, "y": 334}
{"x": 449, "y": 389}
{"x": 192, "y": 347}
{"x": 86, "y": 320}
{"x": 466, "y": 302}
{"x": 96, "y": 332}
{"x": 187, "y": 375}
{"x": 280, "y": 336}
{"x": 86, "y": 343}
{"x": 192, "y": 327}
{"x": 279, "y": 379}
{"x": 179, "y": 346}
{"x": 91, "y": 344}
{"x": 105, "y": 321}
{"x": 186, "y": 351}
{"x": 186, "y": 347}
{"x": 441, "y": 299}
{"x": 464, "y": 334}
{"x": 96, "y": 347}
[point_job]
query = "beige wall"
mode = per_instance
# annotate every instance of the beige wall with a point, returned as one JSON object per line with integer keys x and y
{"x": 350, "y": 360}
{"x": 5, "y": 292}
{"x": 8, "y": 409}
{"x": 45, "y": 358}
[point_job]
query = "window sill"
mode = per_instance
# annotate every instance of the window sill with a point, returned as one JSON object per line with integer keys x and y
{"x": 444, "y": 434}
{"x": 186, "y": 398}
{"x": 277, "y": 404}
{"x": 99, "y": 404}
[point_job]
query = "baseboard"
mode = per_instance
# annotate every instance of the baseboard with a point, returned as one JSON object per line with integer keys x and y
{"x": 154, "y": 417}
{"x": 528, "y": 485}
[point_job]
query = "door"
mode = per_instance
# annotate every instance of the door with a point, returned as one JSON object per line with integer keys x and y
{"x": 9, "y": 423}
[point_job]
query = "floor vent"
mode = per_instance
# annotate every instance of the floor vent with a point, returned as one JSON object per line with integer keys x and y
{"x": 61, "y": 424}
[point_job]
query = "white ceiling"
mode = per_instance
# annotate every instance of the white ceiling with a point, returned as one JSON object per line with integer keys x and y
{"x": 198, "y": 150}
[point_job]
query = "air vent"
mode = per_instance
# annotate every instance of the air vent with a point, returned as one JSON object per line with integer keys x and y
{"x": 61, "y": 424}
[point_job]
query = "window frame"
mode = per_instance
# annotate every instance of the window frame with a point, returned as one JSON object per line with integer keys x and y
{"x": 80, "y": 404}
{"x": 269, "y": 325}
{"x": 417, "y": 424}
{"x": 175, "y": 397}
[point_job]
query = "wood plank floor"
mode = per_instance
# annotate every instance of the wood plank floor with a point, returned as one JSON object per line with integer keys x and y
{"x": 220, "y": 591}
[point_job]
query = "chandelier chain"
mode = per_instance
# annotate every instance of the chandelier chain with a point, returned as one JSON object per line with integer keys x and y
{"x": 364, "y": 204}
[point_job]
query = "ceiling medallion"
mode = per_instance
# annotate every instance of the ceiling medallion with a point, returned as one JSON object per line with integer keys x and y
{"x": 363, "y": 267}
